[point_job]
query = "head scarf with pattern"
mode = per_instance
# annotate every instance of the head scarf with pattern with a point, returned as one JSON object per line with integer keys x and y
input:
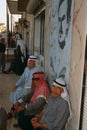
{"x": 42, "y": 90}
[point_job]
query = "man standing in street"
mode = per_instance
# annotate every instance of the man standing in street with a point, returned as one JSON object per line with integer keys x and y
{"x": 2, "y": 55}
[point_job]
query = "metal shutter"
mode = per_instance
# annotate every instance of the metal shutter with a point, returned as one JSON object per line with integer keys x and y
{"x": 84, "y": 105}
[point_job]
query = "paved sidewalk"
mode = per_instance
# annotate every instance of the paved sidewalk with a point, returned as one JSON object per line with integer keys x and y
{"x": 6, "y": 82}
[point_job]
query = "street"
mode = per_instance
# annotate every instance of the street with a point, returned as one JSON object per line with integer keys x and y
{"x": 6, "y": 82}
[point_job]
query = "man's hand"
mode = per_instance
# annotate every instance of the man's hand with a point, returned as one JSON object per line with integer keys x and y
{"x": 16, "y": 105}
{"x": 36, "y": 125}
{"x": 20, "y": 108}
{"x": 34, "y": 120}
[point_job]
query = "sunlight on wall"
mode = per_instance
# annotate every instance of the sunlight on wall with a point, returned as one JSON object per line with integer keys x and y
{"x": 3, "y": 11}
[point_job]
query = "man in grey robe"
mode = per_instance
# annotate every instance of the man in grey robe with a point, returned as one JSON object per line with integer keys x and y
{"x": 57, "y": 112}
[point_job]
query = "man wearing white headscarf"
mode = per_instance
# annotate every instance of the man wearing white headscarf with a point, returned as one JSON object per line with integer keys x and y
{"x": 26, "y": 78}
{"x": 24, "y": 83}
{"x": 56, "y": 113}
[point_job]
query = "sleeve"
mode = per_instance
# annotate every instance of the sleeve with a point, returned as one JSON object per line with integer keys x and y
{"x": 61, "y": 118}
{"x": 21, "y": 80}
{"x": 26, "y": 98}
{"x": 37, "y": 105}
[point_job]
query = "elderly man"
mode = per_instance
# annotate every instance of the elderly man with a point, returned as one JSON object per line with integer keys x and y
{"x": 55, "y": 115}
{"x": 25, "y": 80}
{"x": 32, "y": 104}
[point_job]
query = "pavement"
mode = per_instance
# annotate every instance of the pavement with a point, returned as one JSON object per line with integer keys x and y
{"x": 6, "y": 82}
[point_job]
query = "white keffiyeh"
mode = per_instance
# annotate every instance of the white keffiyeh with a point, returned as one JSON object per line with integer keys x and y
{"x": 60, "y": 82}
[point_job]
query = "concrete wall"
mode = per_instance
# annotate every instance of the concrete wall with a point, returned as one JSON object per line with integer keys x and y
{"x": 77, "y": 59}
{"x": 76, "y": 46}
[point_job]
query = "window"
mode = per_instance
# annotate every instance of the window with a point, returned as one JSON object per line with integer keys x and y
{"x": 39, "y": 34}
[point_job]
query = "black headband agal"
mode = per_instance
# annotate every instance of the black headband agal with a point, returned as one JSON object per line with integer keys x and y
{"x": 38, "y": 73}
{"x": 33, "y": 58}
{"x": 63, "y": 85}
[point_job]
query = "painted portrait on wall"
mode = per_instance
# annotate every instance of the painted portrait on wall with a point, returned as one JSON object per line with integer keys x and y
{"x": 60, "y": 42}
{"x": 64, "y": 18}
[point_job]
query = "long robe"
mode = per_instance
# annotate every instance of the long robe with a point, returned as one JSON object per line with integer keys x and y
{"x": 56, "y": 115}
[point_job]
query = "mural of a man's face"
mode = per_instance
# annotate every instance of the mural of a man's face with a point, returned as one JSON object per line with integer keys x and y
{"x": 63, "y": 25}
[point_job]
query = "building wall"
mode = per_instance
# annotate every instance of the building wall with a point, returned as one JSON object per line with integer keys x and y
{"x": 77, "y": 60}
{"x": 75, "y": 51}
{"x": 71, "y": 56}
{"x": 57, "y": 59}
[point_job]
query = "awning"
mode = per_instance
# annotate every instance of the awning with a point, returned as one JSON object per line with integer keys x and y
{"x": 22, "y": 4}
{"x": 34, "y": 5}
{"x": 13, "y": 4}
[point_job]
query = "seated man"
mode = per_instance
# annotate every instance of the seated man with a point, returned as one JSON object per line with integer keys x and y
{"x": 3, "y": 118}
{"x": 29, "y": 108}
{"x": 56, "y": 113}
{"x": 25, "y": 80}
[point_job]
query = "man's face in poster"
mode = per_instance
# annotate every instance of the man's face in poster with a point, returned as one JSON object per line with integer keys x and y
{"x": 63, "y": 24}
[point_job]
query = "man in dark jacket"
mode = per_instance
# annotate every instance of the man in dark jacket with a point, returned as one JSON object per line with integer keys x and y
{"x": 2, "y": 55}
{"x": 3, "y": 118}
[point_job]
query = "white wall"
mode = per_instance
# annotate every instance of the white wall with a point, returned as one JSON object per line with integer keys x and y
{"x": 77, "y": 59}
